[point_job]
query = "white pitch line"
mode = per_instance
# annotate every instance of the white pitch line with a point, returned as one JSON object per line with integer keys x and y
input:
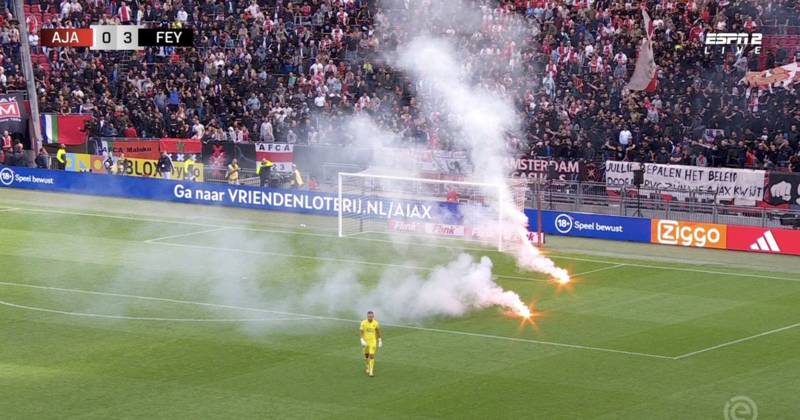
{"x": 597, "y": 270}
{"x": 183, "y": 235}
{"x": 526, "y": 340}
{"x": 328, "y": 318}
{"x": 145, "y": 318}
{"x": 741, "y": 340}
{"x": 292, "y": 232}
{"x": 8, "y": 209}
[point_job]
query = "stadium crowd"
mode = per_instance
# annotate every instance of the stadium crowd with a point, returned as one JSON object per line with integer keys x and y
{"x": 293, "y": 70}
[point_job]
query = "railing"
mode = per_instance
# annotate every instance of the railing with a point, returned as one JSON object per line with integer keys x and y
{"x": 630, "y": 201}
{"x": 249, "y": 177}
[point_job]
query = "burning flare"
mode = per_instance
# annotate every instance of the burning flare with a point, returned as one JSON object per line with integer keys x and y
{"x": 562, "y": 277}
{"x": 523, "y": 312}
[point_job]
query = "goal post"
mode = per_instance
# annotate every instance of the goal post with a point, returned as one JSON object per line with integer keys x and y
{"x": 388, "y": 204}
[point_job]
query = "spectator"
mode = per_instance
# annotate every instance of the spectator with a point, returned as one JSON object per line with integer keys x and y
{"x": 129, "y": 131}
{"x": 165, "y": 165}
{"x": 17, "y": 157}
{"x": 108, "y": 164}
{"x": 7, "y": 142}
{"x": 42, "y": 159}
{"x": 625, "y": 137}
{"x": 315, "y": 62}
{"x": 122, "y": 165}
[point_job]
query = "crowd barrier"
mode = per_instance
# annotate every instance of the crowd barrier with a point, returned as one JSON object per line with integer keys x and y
{"x": 635, "y": 229}
{"x": 298, "y": 201}
{"x": 768, "y": 240}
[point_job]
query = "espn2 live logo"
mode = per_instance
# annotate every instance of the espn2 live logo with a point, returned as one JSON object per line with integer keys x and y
{"x": 690, "y": 234}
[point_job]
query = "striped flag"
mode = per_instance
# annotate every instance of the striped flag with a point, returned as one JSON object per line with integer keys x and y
{"x": 64, "y": 129}
{"x": 50, "y": 128}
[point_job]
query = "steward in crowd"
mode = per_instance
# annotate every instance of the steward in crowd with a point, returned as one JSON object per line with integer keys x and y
{"x": 188, "y": 167}
{"x": 61, "y": 157}
{"x": 264, "y": 170}
{"x": 233, "y": 172}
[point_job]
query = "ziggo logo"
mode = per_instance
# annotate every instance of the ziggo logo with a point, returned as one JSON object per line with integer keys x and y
{"x": 691, "y": 234}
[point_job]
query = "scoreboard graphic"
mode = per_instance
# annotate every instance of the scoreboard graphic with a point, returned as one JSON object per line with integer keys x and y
{"x": 117, "y": 37}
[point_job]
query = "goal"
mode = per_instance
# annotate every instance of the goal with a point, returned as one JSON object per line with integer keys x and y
{"x": 386, "y": 204}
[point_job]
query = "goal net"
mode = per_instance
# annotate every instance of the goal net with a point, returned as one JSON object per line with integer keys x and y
{"x": 385, "y": 204}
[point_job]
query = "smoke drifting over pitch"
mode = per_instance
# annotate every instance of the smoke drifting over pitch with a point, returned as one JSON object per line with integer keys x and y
{"x": 451, "y": 290}
{"x": 481, "y": 116}
{"x": 234, "y": 268}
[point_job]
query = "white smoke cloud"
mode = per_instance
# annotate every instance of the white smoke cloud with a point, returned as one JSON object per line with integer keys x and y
{"x": 451, "y": 290}
{"x": 481, "y": 115}
{"x": 484, "y": 118}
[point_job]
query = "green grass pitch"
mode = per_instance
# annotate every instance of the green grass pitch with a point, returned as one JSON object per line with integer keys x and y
{"x": 113, "y": 309}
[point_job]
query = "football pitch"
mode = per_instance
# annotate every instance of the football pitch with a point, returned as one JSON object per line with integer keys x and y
{"x": 120, "y": 309}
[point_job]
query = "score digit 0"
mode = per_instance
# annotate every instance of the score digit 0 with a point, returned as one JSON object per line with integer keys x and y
{"x": 105, "y": 37}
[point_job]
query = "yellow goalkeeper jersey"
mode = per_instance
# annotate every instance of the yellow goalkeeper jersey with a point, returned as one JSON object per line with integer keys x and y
{"x": 370, "y": 330}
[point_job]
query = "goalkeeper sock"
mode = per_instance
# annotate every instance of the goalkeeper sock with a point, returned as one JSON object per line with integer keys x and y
{"x": 371, "y": 365}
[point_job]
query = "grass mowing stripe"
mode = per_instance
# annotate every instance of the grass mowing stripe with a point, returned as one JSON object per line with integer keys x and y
{"x": 302, "y": 233}
{"x": 355, "y": 321}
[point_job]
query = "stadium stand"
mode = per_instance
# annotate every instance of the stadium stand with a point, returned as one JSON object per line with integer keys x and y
{"x": 288, "y": 70}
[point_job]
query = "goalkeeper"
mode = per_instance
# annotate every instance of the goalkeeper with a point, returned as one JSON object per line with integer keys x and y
{"x": 370, "y": 340}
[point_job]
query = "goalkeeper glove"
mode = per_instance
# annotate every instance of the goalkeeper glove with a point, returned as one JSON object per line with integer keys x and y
{"x": 363, "y": 343}
{"x": 380, "y": 343}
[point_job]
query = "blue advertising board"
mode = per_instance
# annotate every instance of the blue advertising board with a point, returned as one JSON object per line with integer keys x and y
{"x": 298, "y": 201}
{"x": 588, "y": 225}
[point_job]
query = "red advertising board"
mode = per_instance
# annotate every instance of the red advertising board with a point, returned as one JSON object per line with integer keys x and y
{"x": 182, "y": 146}
{"x": 140, "y": 149}
{"x": 764, "y": 240}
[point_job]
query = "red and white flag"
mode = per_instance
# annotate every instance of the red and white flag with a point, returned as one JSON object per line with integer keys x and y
{"x": 280, "y": 154}
{"x": 644, "y": 75}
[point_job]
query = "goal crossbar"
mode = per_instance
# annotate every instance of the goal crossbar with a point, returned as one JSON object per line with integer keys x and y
{"x": 420, "y": 180}
{"x": 495, "y": 193}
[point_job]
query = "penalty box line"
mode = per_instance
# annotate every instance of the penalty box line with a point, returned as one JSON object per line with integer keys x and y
{"x": 301, "y": 316}
{"x": 351, "y": 261}
{"x": 740, "y": 340}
